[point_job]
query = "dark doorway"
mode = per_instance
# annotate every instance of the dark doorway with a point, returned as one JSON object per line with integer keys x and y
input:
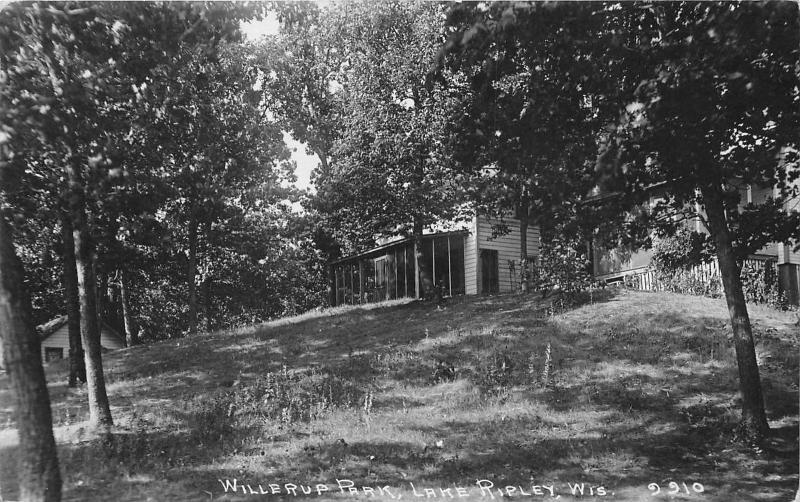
{"x": 490, "y": 274}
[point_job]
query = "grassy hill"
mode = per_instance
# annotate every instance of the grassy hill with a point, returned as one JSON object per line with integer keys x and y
{"x": 638, "y": 389}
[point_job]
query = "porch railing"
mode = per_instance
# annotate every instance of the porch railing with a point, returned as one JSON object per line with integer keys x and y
{"x": 708, "y": 273}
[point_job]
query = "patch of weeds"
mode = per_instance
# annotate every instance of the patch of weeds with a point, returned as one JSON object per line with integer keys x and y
{"x": 571, "y": 300}
{"x": 631, "y": 343}
{"x": 444, "y": 372}
{"x": 495, "y": 375}
{"x": 547, "y": 380}
{"x": 211, "y": 419}
{"x": 540, "y": 368}
{"x": 367, "y": 407}
{"x": 707, "y": 418}
{"x": 390, "y": 362}
{"x": 358, "y": 365}
{"x": 118, "y": 455}
{"x": 294, "y": 397}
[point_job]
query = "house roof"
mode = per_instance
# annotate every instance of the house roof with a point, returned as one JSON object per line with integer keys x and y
{"x": 398, "y": 242}
{"x": 53, "y": 325}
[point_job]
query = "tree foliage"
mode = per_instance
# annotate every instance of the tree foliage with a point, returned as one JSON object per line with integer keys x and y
{"x": 160, "y": 103}
{"x": 352, "y": 81}
{"x": 695, "y": 100}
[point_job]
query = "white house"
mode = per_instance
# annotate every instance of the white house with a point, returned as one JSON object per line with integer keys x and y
{"x": 483, "y": 256}
{"x": 612, "y": 264}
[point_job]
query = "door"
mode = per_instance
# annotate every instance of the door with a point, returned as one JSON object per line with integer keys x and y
{"x": 490, "y": 273}
{"x": 381, "y": 279}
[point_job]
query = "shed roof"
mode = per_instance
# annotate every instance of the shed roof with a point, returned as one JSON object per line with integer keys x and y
{"x": 53, "y": 325}
{"x": 398, "y": 242}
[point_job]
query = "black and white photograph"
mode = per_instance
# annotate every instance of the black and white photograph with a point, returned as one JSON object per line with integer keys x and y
{"x": 405, "y": 249}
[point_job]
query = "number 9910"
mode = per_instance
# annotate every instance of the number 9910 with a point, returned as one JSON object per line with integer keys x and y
{"x": 675, "y": 488}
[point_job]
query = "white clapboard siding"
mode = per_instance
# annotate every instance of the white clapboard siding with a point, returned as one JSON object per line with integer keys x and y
{"x": 471, "y": 261}
{"x": 60, "y": 339}
{"x": 787, "y": 254}
{"x": 507, "y": 247}
{"x": 794, "y": 257}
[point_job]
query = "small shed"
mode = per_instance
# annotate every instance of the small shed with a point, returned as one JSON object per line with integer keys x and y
{"x": 55, "y": 338}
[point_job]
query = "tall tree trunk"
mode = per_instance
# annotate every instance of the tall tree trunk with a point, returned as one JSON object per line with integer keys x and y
{"x": 190, "y": 275}
{"x": 754, "y": 419}
{"x": 131, "y": 336}
{"x": 39, "y": 477}
{"x": 207, "y": 299}
{"x": 797, "y": 495}
{"x": 77, "y": 366}
{"x": 99, "y": 410}
{"x": 422, "y": 278}
{"x": 102, "y": 293}
{"x": 331, "y": 276}
{"x": 522, "y": 214}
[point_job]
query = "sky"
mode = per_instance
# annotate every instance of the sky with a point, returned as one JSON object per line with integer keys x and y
{"x": 305, "y": 163}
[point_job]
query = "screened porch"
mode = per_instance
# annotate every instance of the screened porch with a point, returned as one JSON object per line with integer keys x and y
{"x": 387, "y": 272}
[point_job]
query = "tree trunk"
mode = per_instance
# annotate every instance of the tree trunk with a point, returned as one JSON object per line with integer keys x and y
{"x": 190, "y": 276}
{"x": 77, "y": 366}
{"x": 99, "y": 410}
{"x": 207, "y": 299}
{"x": 797, "y": 495}
{"x": 523, "y": 247}
{"x": 102, "y": 293}
{"x": 422, "y": 280}
{"x": 131, "y": 336}
{"x": 39, "y": 477}
{"x": 324, "y": 166}
{"x": 754, "y": 419}
{"x": 331, "y": 276}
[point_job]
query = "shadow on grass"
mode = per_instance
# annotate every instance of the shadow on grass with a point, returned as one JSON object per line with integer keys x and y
{"x": 640, "y": 393}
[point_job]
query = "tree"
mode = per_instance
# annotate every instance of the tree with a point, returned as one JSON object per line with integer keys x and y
{"x": 77, "y": 366}
{"x": 380, "y": 118}
{"x": 528, "y": 119}
{"x": 696, "y": 100}
{"x": 40, "y": 479}
{"x": 82, "y": 69}
{"x": 218, "y": 152}
{"x": 715, "y": 108}
{"x": 299, "y": 67}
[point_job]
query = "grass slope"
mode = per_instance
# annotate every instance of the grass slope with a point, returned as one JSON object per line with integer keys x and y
{"x": 638, "y": 389}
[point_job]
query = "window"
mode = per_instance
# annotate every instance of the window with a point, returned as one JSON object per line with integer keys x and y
{"x": 53, "y": 354}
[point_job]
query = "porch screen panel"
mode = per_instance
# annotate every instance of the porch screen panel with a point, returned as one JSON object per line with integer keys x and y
{"x": 457, "y": 264}
{"x": 401, "y": 272}
{"x": 356, "y": 290}
{"x": 441, "y": 262}
{"x": 338, "y": 272}
{"x": 369, "y": 280}
{"x": 349, "y": 283}
{"x": 426, "y": 267}
{"x": 410, "y": 270}
{"x": 380, "y": 279}
{"x": 391, "y": 277}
